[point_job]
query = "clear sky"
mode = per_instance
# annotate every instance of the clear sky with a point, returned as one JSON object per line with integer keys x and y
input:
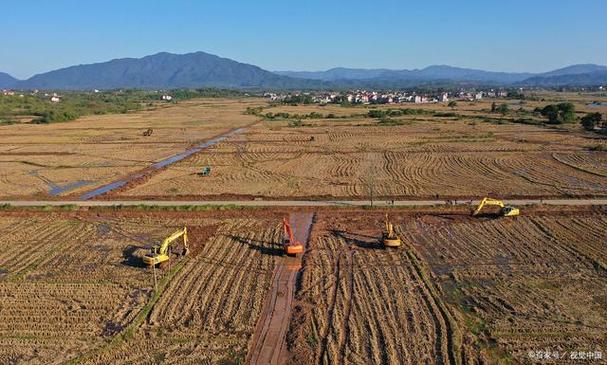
{"x": 501, "y": 35}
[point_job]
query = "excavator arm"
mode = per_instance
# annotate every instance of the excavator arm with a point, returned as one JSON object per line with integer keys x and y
{"x": 164, "y": 246}
{"x": 487, "y": 201}
{"x": 389, "y": 228}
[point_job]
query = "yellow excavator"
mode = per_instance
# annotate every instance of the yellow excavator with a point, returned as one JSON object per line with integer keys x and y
{"x": 506, "y": 211}
{"x": 160, "y": 253}
{"x": 390, "y": 239}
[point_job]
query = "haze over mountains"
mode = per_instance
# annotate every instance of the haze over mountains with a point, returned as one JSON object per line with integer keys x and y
{"x": 200, "y": 69}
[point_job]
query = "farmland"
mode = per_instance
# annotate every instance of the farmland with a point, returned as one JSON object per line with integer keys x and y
{"x": 47, "y": 160}
{"x": 307, "y": 152}
{"x": 72, "y": 291}
{"x": 424, "y": 155}
{"x": 461, "y": 289}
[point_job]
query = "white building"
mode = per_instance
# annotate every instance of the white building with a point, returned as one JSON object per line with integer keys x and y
{"x": 418, "y": 99}
{"x": 55, "y": 99}
{"x": 167, "y": 97}
{"x": 478, "y": 96}
{"x": 444, "y": 98}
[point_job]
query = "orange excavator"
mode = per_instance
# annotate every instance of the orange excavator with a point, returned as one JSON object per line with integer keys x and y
{"x": 291, "y": 246}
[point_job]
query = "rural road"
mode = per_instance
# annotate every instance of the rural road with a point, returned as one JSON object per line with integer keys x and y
{"x": 288, "y": 203}
{"x": 270, "y": 337}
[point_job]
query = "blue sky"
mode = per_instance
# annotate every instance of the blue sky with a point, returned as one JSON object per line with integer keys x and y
{"x": 513, "y": 35}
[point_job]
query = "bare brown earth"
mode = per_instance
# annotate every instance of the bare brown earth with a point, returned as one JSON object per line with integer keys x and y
{"x": 269, "y": 344}
{"x": 461, "y": 289}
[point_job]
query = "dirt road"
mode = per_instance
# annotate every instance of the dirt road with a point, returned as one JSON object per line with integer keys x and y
{"x": 269, "y": 341}
{"x": 288, "y": 203}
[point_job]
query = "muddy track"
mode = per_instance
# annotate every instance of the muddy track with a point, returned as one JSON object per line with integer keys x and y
{"x": 269, "y": 345}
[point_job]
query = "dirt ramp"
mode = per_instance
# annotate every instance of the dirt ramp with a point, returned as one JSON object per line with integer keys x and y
{"x": 269, "y": 341}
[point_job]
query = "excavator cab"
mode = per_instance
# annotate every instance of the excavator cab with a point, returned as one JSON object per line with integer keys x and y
{"x": 509, "y": 211}
{"x": 506, "y": 211}
{"x": 160, "y": 253}
{"x": 291, "y": 246}
{"x": 389, "y": 238}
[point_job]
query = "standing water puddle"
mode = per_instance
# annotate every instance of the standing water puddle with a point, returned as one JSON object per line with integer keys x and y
{"x": 56, "y": 190}
{"x": 158, "y": 165}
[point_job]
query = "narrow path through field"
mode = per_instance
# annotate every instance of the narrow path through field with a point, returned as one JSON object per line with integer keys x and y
{"x": 269, "y": 341}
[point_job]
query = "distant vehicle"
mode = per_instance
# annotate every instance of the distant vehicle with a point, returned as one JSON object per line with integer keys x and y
{"x": 148, "y": 132}
{"x": 206, "y": 171}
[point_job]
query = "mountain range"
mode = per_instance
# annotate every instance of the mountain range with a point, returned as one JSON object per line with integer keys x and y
{"x": 165, "y": 71}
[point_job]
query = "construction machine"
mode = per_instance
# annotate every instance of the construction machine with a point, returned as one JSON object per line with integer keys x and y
{"x": 160, "y": 253}
{"x": 389, "y": 238}
{"x": 291, "y": 246}
{"x": 206, "y": 171}
{"x": 506, "y": 211}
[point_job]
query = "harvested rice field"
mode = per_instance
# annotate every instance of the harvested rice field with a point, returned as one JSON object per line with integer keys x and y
{"x": 421, "y": 159}
{"x": 73, "y": 290}
{"x": 54, "y": 160}
{"x": 460, "y": 289}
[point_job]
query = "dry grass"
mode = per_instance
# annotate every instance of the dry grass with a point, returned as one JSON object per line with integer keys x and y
{"x": 71, "y": 289}
{"x": 425, "y": 157}
{"x": 100, "y": 149}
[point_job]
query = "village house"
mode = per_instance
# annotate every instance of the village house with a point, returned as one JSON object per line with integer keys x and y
{"x": 419, "y": 99}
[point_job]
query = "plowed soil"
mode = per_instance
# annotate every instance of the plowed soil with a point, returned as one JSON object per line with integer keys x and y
{"x": 459, "y": 289}
{"x": 72, "y": 291}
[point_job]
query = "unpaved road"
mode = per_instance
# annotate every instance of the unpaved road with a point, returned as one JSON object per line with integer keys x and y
{"x": 288, "y": 203}
{"x": 269, "y": 341}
